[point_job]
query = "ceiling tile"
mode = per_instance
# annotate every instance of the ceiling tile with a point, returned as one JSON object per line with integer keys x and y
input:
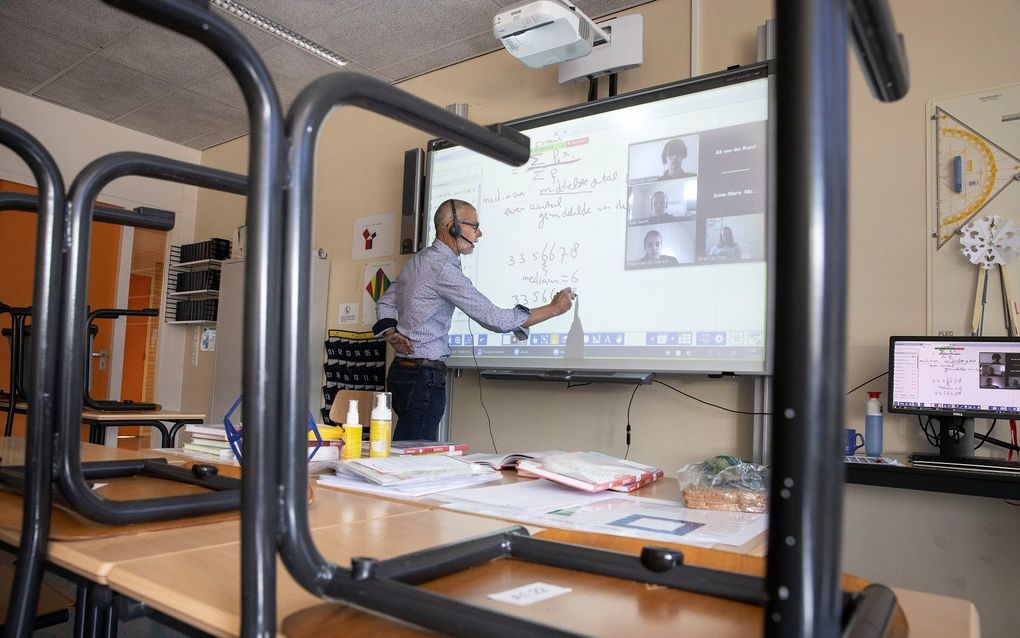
{"x": 380, "y": 34}
{"x": 301, "y": 15}
{"x": 30, "y": 57}
{"x": 164, "y": 54}
{"x": 452, "y": 54}
{"x": 182, "y": 116}
{"x": 89, "y": 23}
{"x": 219, "y": 136}
{"x": 260, "y": 40}
{"x": 104, "y": 89}
{"x": 292, "y": 69}
{"x": 600, "y": 8}
{"x": 221, "y": 87}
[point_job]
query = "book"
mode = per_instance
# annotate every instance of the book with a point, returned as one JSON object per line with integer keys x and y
{"x": 631, "y": 487}
{"x": 426, "y": 447}
{"x": 216, "y": 431}
{"x": 507, "y": 461}
{"x": 224, "y": 454}
{"x": 217, "y": 443}
{"x": 590, "y": 471}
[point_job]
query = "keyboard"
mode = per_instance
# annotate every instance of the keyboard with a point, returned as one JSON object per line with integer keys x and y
{"x": 968, "y": 464}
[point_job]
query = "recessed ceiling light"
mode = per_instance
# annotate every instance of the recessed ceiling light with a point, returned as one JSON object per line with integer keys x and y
{"x": 274, "y": 28}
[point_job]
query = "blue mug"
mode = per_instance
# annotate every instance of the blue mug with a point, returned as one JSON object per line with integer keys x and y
{"x": 852, "y": 444}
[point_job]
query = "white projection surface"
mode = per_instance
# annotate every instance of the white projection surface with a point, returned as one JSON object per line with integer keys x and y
{"x": 668, "y": 254}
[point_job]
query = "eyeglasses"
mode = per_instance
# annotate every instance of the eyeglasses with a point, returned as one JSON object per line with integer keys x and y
{"x": 474, "y": 225}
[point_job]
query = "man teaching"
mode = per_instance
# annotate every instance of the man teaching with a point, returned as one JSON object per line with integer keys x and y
{"x": 416, "y": 312}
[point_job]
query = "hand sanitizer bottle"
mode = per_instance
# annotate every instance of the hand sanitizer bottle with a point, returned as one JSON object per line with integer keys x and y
{"x": 352, "y": 432}
{"x": 873, "y": 425}
{"x": 381, "y": 428}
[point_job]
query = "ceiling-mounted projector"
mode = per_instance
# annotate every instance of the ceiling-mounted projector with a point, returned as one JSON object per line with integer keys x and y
{"x": 544, "y": 32}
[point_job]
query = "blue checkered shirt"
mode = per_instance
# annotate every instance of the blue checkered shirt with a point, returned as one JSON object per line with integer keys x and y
{"x": 420, "y": 304}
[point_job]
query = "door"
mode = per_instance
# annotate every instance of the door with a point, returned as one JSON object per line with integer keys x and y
{"x": 17, "y": 260}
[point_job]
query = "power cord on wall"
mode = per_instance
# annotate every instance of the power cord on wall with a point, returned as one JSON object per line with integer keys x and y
{"x": 720, "y": 407}
{"x": 478, "y": 371}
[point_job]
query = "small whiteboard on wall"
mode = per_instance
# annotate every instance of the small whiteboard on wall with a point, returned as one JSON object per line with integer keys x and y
{"x": 973, "y": 172}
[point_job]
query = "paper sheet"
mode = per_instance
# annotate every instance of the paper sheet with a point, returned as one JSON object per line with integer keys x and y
{"x": 550, "y": 505}
{"x": 526, "y": 496}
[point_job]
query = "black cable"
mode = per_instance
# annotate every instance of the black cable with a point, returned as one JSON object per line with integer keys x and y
{"x": 628, "y": 420}
{"x": 478, "y": 371}
{"x": 929, "y": 431}
{"x": 690, "y": 396}
{"x": 851, "y": 391}
{"x": 612, "y": 84}
{"x": 593, "y": 88}
{"x": 997, "y": 442}
{"x": 985, "y": 438}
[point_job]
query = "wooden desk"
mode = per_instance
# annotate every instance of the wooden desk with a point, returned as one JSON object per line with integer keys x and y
{"x": 193, "y": 573}
{"x": 596, "y": 606}
{"x": 98, "y": 421}
{"x": 168, "y": 583}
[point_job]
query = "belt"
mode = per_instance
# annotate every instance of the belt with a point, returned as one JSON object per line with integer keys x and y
{"x": 419, "y": 363}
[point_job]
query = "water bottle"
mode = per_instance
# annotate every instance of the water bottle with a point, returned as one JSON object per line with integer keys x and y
{"x": 873, "y": 425}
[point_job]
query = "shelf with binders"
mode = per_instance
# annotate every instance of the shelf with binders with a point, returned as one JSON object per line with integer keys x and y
{"x": 193, "y": 283}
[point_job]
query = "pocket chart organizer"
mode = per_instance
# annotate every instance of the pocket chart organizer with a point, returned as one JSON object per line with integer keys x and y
{"x": 354, "y": 361}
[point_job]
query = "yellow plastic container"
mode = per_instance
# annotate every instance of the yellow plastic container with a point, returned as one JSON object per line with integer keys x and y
{"x": 381, "y": 426}
{"x": 352, "y": 441}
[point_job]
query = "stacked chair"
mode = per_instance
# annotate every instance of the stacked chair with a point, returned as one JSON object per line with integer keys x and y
{"x": 800, "y": 593}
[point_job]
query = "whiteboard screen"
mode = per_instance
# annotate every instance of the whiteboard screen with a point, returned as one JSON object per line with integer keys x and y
{"x": 652, "y": 206}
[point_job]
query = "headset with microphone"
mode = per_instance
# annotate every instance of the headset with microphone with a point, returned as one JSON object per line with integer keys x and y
{"x": 455, "y": 230}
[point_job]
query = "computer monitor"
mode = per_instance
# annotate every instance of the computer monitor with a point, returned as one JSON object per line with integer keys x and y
{"x": 954, "y": 380}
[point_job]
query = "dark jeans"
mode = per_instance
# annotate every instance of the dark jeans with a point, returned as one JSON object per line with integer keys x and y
{"x": 419, "y": 399}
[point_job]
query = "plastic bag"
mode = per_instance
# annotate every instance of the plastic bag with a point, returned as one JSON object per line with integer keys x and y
{"x": 724, "y": 483}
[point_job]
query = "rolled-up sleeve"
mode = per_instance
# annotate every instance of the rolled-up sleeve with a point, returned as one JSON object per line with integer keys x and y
{"x": 386, "y": 309}
{"x": 456, "y": 288}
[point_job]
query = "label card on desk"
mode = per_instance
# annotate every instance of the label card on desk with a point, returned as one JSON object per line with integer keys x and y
{"x": 528, "y": 594}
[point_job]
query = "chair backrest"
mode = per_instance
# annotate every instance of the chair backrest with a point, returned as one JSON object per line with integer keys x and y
{"x": 338, "y": 411}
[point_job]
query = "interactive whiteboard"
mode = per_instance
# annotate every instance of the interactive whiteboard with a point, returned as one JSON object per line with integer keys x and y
{"x": 653, "y": 206}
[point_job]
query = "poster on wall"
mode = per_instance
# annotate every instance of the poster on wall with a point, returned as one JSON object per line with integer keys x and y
{"x": 374, "y": 236}
{"x": 378, "y": 277}
{"x": 974, "y": 193}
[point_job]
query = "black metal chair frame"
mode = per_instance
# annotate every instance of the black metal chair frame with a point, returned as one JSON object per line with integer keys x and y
{"x": 44, "y": 438}
{"x": 17, "y": 359}
{"x": 801, "y": 589}
{"x": 110, "y": 405}
{"x": 70, "y": 477}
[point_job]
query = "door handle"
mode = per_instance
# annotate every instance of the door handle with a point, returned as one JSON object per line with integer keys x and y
{"x": 102, "y": 359}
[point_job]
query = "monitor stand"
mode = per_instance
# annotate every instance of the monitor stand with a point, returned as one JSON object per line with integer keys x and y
{"x": 956, "y": 437}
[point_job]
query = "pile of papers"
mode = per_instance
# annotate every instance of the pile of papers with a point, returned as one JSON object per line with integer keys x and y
{"x": 411, "y": 475}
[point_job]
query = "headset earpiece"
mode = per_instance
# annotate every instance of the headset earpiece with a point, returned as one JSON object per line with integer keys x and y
{"x": 455, "y": 231}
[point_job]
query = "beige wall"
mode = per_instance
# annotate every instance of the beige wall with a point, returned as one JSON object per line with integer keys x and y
{"x": 945, "y": 544}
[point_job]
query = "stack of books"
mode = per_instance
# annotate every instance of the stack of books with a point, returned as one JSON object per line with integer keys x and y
{"x": 405, "y": 448}
{"x": 407, "y": 475}
{"x": 209, "y": 440}
{"x": 591, "y": 471}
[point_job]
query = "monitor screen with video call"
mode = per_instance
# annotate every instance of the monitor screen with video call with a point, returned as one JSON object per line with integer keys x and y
{"x": 652, "y": 206}
{"x": 962, "y": 376}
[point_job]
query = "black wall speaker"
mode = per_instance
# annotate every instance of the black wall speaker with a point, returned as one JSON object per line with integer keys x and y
{"x": 412, "y": 220}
